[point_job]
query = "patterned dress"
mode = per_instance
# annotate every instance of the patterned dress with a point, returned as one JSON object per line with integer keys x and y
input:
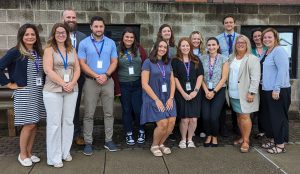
{"x": 28, "y": 101}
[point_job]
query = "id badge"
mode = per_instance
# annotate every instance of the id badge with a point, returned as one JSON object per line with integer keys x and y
{"x": 210, "y": 85}
{"x": 164, "y": 87}
{"x": 38, "y": 81}
{"x": 131, "y": 70}
{"x": 188, "y": 86}
{"x": 66, "y": 77}
{"x": 99, "y": 64}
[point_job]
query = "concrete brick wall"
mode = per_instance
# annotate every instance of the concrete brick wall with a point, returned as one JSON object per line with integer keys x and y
{"x": 184, "y": 17}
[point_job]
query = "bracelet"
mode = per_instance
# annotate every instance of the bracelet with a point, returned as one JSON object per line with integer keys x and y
{"x": 214, "y": 91}
{"x": 107, "y": 75}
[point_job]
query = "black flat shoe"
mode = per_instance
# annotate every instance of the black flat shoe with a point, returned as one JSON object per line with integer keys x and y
{"x": 206, "y": 144}
{"x": 214, "y": 145}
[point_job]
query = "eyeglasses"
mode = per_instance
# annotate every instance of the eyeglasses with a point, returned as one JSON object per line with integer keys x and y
{"x": 61, "y": 33}
{"x": 241, "y": 43}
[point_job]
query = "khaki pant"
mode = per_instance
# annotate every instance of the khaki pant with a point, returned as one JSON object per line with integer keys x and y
{"x": 92, "y": 92}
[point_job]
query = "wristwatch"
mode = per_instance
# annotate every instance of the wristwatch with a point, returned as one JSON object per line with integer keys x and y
{"x": 196, "y": 90}
{"x": 251, "y": 93}
{"x": 214, "y": 91}
{"x": 108, "y": 76}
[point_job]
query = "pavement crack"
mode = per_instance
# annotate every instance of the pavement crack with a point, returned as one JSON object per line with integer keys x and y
{"x": 166, "y": 164}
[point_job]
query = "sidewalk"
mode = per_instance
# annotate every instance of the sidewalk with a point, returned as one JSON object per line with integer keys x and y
{"x": 138, "y": 159}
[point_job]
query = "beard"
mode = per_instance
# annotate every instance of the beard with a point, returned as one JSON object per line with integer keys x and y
{"x": 72, "y": 26}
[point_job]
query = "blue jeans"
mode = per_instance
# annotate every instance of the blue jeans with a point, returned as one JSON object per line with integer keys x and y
{"x": 131, "y": 100}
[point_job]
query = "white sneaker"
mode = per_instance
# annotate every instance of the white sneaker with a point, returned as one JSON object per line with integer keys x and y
{"x": 26, "y": 162}
{"x": 191, "y": 144}
{"x": 68, "y": 158}
{"x": 182, "y": 144}
{"x": 202, "y": 135}
{"x": 58, "y": 165}
{"x": 35, "y": 159}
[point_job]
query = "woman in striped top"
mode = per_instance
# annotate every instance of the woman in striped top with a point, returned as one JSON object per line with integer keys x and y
{"x": 24, "y": 63}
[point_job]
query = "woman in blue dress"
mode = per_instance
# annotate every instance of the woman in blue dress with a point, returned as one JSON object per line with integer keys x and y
{"x": 158, "y": 96}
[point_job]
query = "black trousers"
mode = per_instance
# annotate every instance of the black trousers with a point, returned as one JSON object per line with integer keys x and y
{"x": 211, "y": 110}
{"x": 275, "y": 115}
{"x": 76, "y": 122}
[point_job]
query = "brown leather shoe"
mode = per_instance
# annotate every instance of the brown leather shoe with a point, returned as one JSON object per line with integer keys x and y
{"x": 79, "y": 141}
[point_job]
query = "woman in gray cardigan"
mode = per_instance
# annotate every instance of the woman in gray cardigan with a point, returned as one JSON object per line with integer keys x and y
{"x": 244, "y": 76}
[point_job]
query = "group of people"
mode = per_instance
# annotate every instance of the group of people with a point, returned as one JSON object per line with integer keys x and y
{"x": 185, "y": 82}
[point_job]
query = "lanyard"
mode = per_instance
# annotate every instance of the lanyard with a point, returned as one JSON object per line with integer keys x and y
{"x": 128, "y": 56}
{"x": 162, "y": 70}
{"x": 65, "y": 61}
{"x": 36, "y": 61}
{"x": 227, "y": 42}
{"x": 187, "y": 68}
{"x": 93, "y": 41}
{"x": 211, "y": 67}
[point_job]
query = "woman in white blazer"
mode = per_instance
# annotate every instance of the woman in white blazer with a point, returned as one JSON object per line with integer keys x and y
{"x": 244, "y": 77}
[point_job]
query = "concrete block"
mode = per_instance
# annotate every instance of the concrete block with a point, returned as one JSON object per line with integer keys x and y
{"x": 20, "y": 16}
{"x": 2, "y": 15}
{"x": 34, "y": 4}
{"x": 12, "y": 41}
{"x": 3, "y": 43}
{"x": 135, "y": 7}
{"x": 147, "y": 42}
{"x": 43, "y": 29}
{"x": 159, "y": 7}
{"x": 295, "y": 20}
{"x": 47, "y": 16}
{"x": 129, "y": 18}
{"x": 9, "y": 28}
{"x": 279, "y": 19}
{"x": 59, "y": 5}
{"x": 204, "y": 8}
{"x": 146, "y": 29}
{"x": 81, "y": 17}
{"x": 288, "y": 9}
{"x": 247, "y": 9}
{"x": 269, "y": 9}
{"x": 214, "y": 19}
{"x": 86, "y": 6}
{"x": 171, "y": 18}
{"x": 11, "y": 4}
{"x": 193, "y": 19}
{"x": 111, "y": 6}
{"x": 147, "y": 18}
{"x": 181, "y": 8}
{"x": 105, "y": 16}
{"x": 207, "y": 30}
{"x": 117, "y": 18}
{"x": 226, "y": 8}
{"x": 3, "y": 52}
{"x": 254, "y": 20}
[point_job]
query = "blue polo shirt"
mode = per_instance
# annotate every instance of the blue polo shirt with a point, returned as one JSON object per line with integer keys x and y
{"x": 87, "y": 52}
{"x": 224, "y": 41}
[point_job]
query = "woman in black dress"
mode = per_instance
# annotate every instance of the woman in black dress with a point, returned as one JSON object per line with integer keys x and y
{"x": 188, "y": 73}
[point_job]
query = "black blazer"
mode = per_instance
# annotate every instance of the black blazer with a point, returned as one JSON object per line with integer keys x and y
{"x": 79, "y": 37}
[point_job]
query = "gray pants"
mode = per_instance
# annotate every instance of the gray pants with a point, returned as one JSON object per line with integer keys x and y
{"x": 92, "y": 92}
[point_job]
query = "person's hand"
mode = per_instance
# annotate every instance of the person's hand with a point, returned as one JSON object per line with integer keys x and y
{"x": 193, "y": 94}
{"x": 160, "y": 105}
{"x": 250, "y": 98}
{"x": 210, "y": 95}
{"x": 13, "y": 86}
{"x": 68, "y": 87}
{"x": 169, "y": 104}
{"x": 186, "y": 96}
{"x": 101, "y": 79}
{"x": 275, "y": 95}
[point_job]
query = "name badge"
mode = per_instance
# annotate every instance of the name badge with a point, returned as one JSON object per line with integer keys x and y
{"x": 210, "y": 85}
{"x": 66, "y": 77}
{"x": 131, "y": 70}
{"x": 99, "y": 64}
{"x": 188, "y": 86}
{"x": 164, "y": 87}
{"x": 38, "y": 81}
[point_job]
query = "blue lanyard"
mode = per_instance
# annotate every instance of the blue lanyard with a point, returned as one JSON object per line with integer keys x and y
{"x": 93, "y": 41}
{"x": 65, "y": 60}
{"x": 187, "y": 68}
{"x": 227, "y": 42}
{"x": 128, "y": 56}
{"x": 211, "y": 67}
{"x": 36, "y": 61}
{"x": 162, "y": 70}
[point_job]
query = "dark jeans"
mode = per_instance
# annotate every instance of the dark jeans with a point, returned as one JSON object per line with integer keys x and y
{"x": 77, "y": 125}
{"x": 211, "y": 110}
{"x": 275, "y": 113}
{"x": 131, "y": 100}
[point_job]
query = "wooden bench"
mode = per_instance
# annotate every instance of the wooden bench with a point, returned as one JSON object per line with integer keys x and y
{"x": 7, "y": 104}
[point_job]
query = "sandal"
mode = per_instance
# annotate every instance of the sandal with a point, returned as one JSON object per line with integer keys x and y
{"x": 238, "y": 142}
{"x": 276, "y": 150}
{"x": 245, "y": 148}
{"x": 268, "y": 145}
{"x": 156, "y": 151}
{"x": 165, "y": 149}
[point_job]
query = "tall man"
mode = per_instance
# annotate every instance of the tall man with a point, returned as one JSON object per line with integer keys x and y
{"x": 226, "y": 41}
{"x": 69, "y": 18}
{"x": 98, "y": 60}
